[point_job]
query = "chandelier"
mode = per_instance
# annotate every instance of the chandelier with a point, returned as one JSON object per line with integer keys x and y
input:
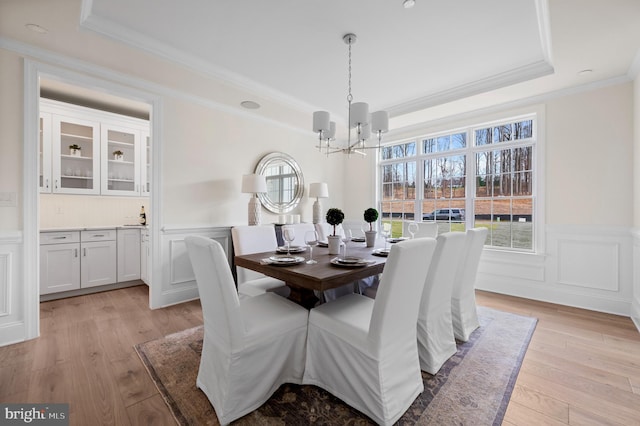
{"x": 359, "y": 119}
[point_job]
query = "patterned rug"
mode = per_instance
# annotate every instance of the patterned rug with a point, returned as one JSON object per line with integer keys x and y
{"x": 472, "y": 388}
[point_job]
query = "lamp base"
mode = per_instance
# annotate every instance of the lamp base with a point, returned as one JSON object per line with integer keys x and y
{"x": 317, "y": 212}
{"x": 254, "y": 211}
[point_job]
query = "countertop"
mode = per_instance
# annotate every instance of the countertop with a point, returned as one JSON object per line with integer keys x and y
{"x": 92, "y": 228}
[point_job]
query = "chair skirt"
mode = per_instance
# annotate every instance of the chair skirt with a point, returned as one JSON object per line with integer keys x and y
{"x": 464, "y": 317}
{"x": 436, "y": 343}
{"x": 382, "y": 386}
{"x": 238, "y": 382}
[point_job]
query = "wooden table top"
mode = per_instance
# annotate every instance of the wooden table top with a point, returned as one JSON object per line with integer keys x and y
{"x": 319, "y": 276}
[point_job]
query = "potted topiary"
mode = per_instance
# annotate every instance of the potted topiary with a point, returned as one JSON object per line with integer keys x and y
{"x": 118, "y": 155}
{"x": 75, "y": 150}
{"x": 370, "y": 216}
{"x": 334, "y": 217}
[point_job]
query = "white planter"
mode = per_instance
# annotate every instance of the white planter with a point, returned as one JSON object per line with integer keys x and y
{"x": 75, "y": 152}
{"x": 334, "y": 244}
{"x": 118, "y": 157}
{"x": 370, "y": 237}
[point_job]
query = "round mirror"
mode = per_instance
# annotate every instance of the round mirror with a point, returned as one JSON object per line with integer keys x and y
{"x": 285, "y": 184}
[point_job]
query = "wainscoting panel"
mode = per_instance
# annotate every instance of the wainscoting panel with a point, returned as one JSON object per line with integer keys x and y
{"x": 589, "y": 267}
{"x": 5, "y": 283}
{"x": 12, "y": 289}
{"x": 591, "y": 264}
{"x": 177, "y": 281}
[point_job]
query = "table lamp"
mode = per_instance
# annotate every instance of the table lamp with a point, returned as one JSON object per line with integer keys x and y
{"x": 254, "y": 184}
{"x": 318, "y": 190}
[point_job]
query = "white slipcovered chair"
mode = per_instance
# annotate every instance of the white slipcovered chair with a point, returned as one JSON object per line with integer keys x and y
{"x": 364, "y": 351}
{"x": 436, "y": 343}
{"x": 463, "y": 297}
{"x": 251, "y": 346}
{"x": 425, "y": 229}
{"x": 324, "y": 230}
{"x": 256, "y": 239}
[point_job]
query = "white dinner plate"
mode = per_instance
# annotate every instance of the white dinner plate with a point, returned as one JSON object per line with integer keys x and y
{"x": 285, "y": 260}
{"x": 381, "y": 252}
{"x": 397, "y": 240}
{"x": 294, "y": 249}
{"x": 349, "y": 262}
{"x": 358, "y": 239}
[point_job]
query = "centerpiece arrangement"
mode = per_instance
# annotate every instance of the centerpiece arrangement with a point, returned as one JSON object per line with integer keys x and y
{"x": 370, "y": 216}
{"x": 334, "y": 217}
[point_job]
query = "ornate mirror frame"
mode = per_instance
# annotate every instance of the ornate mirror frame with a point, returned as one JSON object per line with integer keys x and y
{"x": 285, "y": 183}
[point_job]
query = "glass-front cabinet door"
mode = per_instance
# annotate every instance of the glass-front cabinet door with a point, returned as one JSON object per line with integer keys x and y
{"x": 120, "y": 160}
{"x": 75, "y": 154}
{"x": 145, "y": 161}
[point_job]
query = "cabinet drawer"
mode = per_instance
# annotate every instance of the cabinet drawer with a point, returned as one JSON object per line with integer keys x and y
{"x": 99, "y": 235}
{"x": 59, "y": 237}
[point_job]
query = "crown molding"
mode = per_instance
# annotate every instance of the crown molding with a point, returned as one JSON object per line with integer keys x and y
{"x": 82, "y": 69}
{"x": 498, "y": 81}
{"x": 138, "y": 41}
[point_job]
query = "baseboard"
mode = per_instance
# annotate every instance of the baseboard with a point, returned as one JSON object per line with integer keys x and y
{"x": 12, "y": 333}
{"x": 635, "y": 312}
{"x": 543, "y": 293}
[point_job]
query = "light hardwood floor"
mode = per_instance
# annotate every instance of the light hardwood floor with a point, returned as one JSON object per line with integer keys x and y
{"x": 581, "y": 368}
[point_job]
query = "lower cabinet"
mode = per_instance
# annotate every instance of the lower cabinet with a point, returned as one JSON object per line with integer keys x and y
{"x": 128, "y": 254}
{"x": 98, "y": 262}
{"x": 59, "y": 262}
{"x": 77, "y": 259}
{"x": 145, "y": 275}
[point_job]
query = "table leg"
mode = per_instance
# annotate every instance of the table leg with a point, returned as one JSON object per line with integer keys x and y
{"x": 302, "y": 296}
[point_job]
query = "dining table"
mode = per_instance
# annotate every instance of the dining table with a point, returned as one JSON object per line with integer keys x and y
{"x": 304, "y": 279}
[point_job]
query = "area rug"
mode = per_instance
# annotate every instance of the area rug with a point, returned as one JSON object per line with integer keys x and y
{"x": 472, "y": 388}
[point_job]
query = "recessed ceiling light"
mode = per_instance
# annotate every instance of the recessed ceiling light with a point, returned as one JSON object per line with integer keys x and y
{"x": 408, "y": 4}
{"x": 250, "y": 104}
{"x": 585, "y": 72}
{"x": 37, "y": 28}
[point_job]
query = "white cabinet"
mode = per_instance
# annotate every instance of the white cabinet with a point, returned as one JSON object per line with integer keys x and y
{"x": 93, "y": 168}
{"x": 99, "y": 258}
{"x": 128, "y": 254}
{"x": 122, "y": 159}
{"x": 59, "y": 262}
{"x": 77, "y": 259}
{"x": 145, "y": 252}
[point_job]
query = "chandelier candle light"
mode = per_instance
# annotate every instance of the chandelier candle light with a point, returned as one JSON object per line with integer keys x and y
{"x": 254, "y": 184}
{"x": 318, "y": 190}
{"x": 359, "y": 119}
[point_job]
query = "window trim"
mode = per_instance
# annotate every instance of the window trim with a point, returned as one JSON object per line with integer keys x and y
{"x": 469, "y": 124}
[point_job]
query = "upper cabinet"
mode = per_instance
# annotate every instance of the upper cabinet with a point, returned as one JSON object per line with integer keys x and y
{"x": 86, "y": 151}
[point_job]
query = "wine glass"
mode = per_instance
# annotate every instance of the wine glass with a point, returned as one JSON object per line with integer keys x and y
{"x": 346, "y": 237}
{"x": 289, "y": 234}
{"x": 311, "y": 239}
{"x": 413, "y": 229}
{"x": 385, "y": 231}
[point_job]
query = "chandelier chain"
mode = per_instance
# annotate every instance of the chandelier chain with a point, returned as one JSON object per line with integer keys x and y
{"x": 350, "y": 96}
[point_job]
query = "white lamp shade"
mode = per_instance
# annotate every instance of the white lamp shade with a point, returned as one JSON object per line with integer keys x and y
{"x": 318, "y": 190}
{"x": 321, "y": 121}
{"x": 331, "y": 134}
{"x": 359, "y": 113}
{"x": 380, "y": 121}
{"x": 253, "y": 184}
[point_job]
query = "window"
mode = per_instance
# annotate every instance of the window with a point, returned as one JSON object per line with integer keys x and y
{"x": 482, "y": 175}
